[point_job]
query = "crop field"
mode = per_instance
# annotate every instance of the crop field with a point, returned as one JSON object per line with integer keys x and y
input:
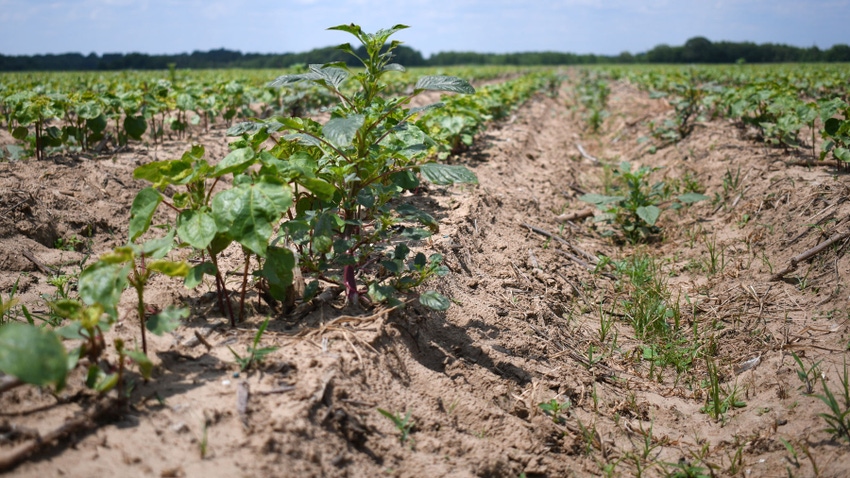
{"x": 334, "y": 271}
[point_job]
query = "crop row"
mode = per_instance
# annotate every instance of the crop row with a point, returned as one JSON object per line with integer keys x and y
{"x": 779, "y": 102}
{"x": 83, "y": 111}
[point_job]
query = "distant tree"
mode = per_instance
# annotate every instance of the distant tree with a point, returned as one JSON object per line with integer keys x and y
{"x": 699, "y": 50}
{"x": 838, "y": 53}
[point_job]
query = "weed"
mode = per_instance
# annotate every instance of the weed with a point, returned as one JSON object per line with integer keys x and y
{"x": 6, "y": 306}
{"x": 687, "y": 469}
{"x": 736, "y": 461}
{"x": 646, "y": 306}
{"x": 719, "y": 400}
{"x": 255, "y": 355}
{"x": 838, "y": 420}
{"x": 554, "y": 409}
{"x": 404, "y": 425}
{"x": 808, "y": 375}
{"x": 791, "y": 452}
{"x": 72, "y": 243}
{"x": 766, "y": 261}
{"x": 731, "y": 182}
{"x": 716, "y": 260}
{"x": 203, "y": 445}
{"x": 605, "y": 326}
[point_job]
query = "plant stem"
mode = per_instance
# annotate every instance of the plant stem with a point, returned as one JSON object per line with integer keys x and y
{"x": 139, "y": 285}
{"x": 244, "y": 286}
{"x": 223, "y": 297}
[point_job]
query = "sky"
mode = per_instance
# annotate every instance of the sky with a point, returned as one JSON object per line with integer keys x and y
{"x": 606, "y": 27}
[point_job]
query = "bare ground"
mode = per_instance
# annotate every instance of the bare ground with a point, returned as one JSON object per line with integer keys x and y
{"x": 524, "y": 327}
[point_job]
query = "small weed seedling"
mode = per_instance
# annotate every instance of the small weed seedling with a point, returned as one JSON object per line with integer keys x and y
{"x": 838, "y": 420}
{"x": 808, "y": 376}
{"x": 791, "y": 452}
{"x": 255, "y": 354}
{"x": 719, "y": 400}
{"x": 554, "y": 409}
{"x": 6, "y": 306}
{"x": 404, "y": 425}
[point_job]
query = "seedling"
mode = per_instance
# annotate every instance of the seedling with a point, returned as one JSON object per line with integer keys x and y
{"x": 808, "y": 375}
{"x": 404, "y": 425}
{"x": 838, "y": 420}
{"x": 791, "y": 452}
{"x": 255, "y": 354}
{"x": 6, "y": 306}
{"x": 636, "y": 209}
{"x": 719, "y": 400}
{"x": 716, "y": 260}
{"x": 554, "y": 409}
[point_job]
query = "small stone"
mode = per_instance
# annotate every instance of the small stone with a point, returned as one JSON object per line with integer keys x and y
{"x": 180, "y": 427}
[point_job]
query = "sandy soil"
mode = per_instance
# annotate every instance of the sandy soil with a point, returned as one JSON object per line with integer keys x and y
{"x": 524, "y": 327}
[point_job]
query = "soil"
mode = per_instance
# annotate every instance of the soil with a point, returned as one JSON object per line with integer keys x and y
{"x": 525, "y": 327}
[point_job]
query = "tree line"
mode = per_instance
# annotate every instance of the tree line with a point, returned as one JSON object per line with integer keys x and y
{"x": 695, "y": 50}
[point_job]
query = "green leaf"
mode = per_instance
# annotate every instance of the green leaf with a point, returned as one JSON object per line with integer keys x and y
{"x": 423, "y": 217}
{"x": 197, "y": 228}
{"x": 97, "y": 125}
{"x": 142, "y": 210}
{"x": 196, "y": 274}
{"x": 442, "y": 174}
{"x": 331, "y": 75}
{"x": 381, "y": 293}
{"x": 393, "y": 67}
{"x": 20, "y": 133}
{"x": 33, "y": 355}
{"x": 66, "y": 308}
{"x": 237, "y": 161}
{"x": 405, "y": 180}
{"x": 135, "y": 126}
{"x": 143, "y": 361}
{"x": 243, "y": 127}
{"x": 72, "y": 331}
{"x": 434, "y": 300}
{"x": 341, "y": 131}
{"x": 277, "y": 269}
{"x": 321, "y": 188}
{"x": 169, "y": 268}
{"x": 249, "y": 212}
{"x": 163, "y": 173}
{"x": 451, "y": 84}
{"x": 159, "y": 247}
{"x": 16, "y": 152}
{"x": 119, "y": 255}
{"x": 691, "y": 198}
{"x": 649, "y": 214}
{"x": 102, "y": 283}
{"x": 106, "y": 382}
{"x": 831, "y": 126}
{"x": 599, "y": 199}
{"x": 89, "y": 110}
{"x": 167, "y": 320}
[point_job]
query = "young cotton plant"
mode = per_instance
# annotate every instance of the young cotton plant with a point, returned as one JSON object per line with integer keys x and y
{"x": 637, "y": 206}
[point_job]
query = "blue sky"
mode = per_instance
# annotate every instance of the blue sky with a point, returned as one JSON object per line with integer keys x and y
{"x": 266, "y": 26}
